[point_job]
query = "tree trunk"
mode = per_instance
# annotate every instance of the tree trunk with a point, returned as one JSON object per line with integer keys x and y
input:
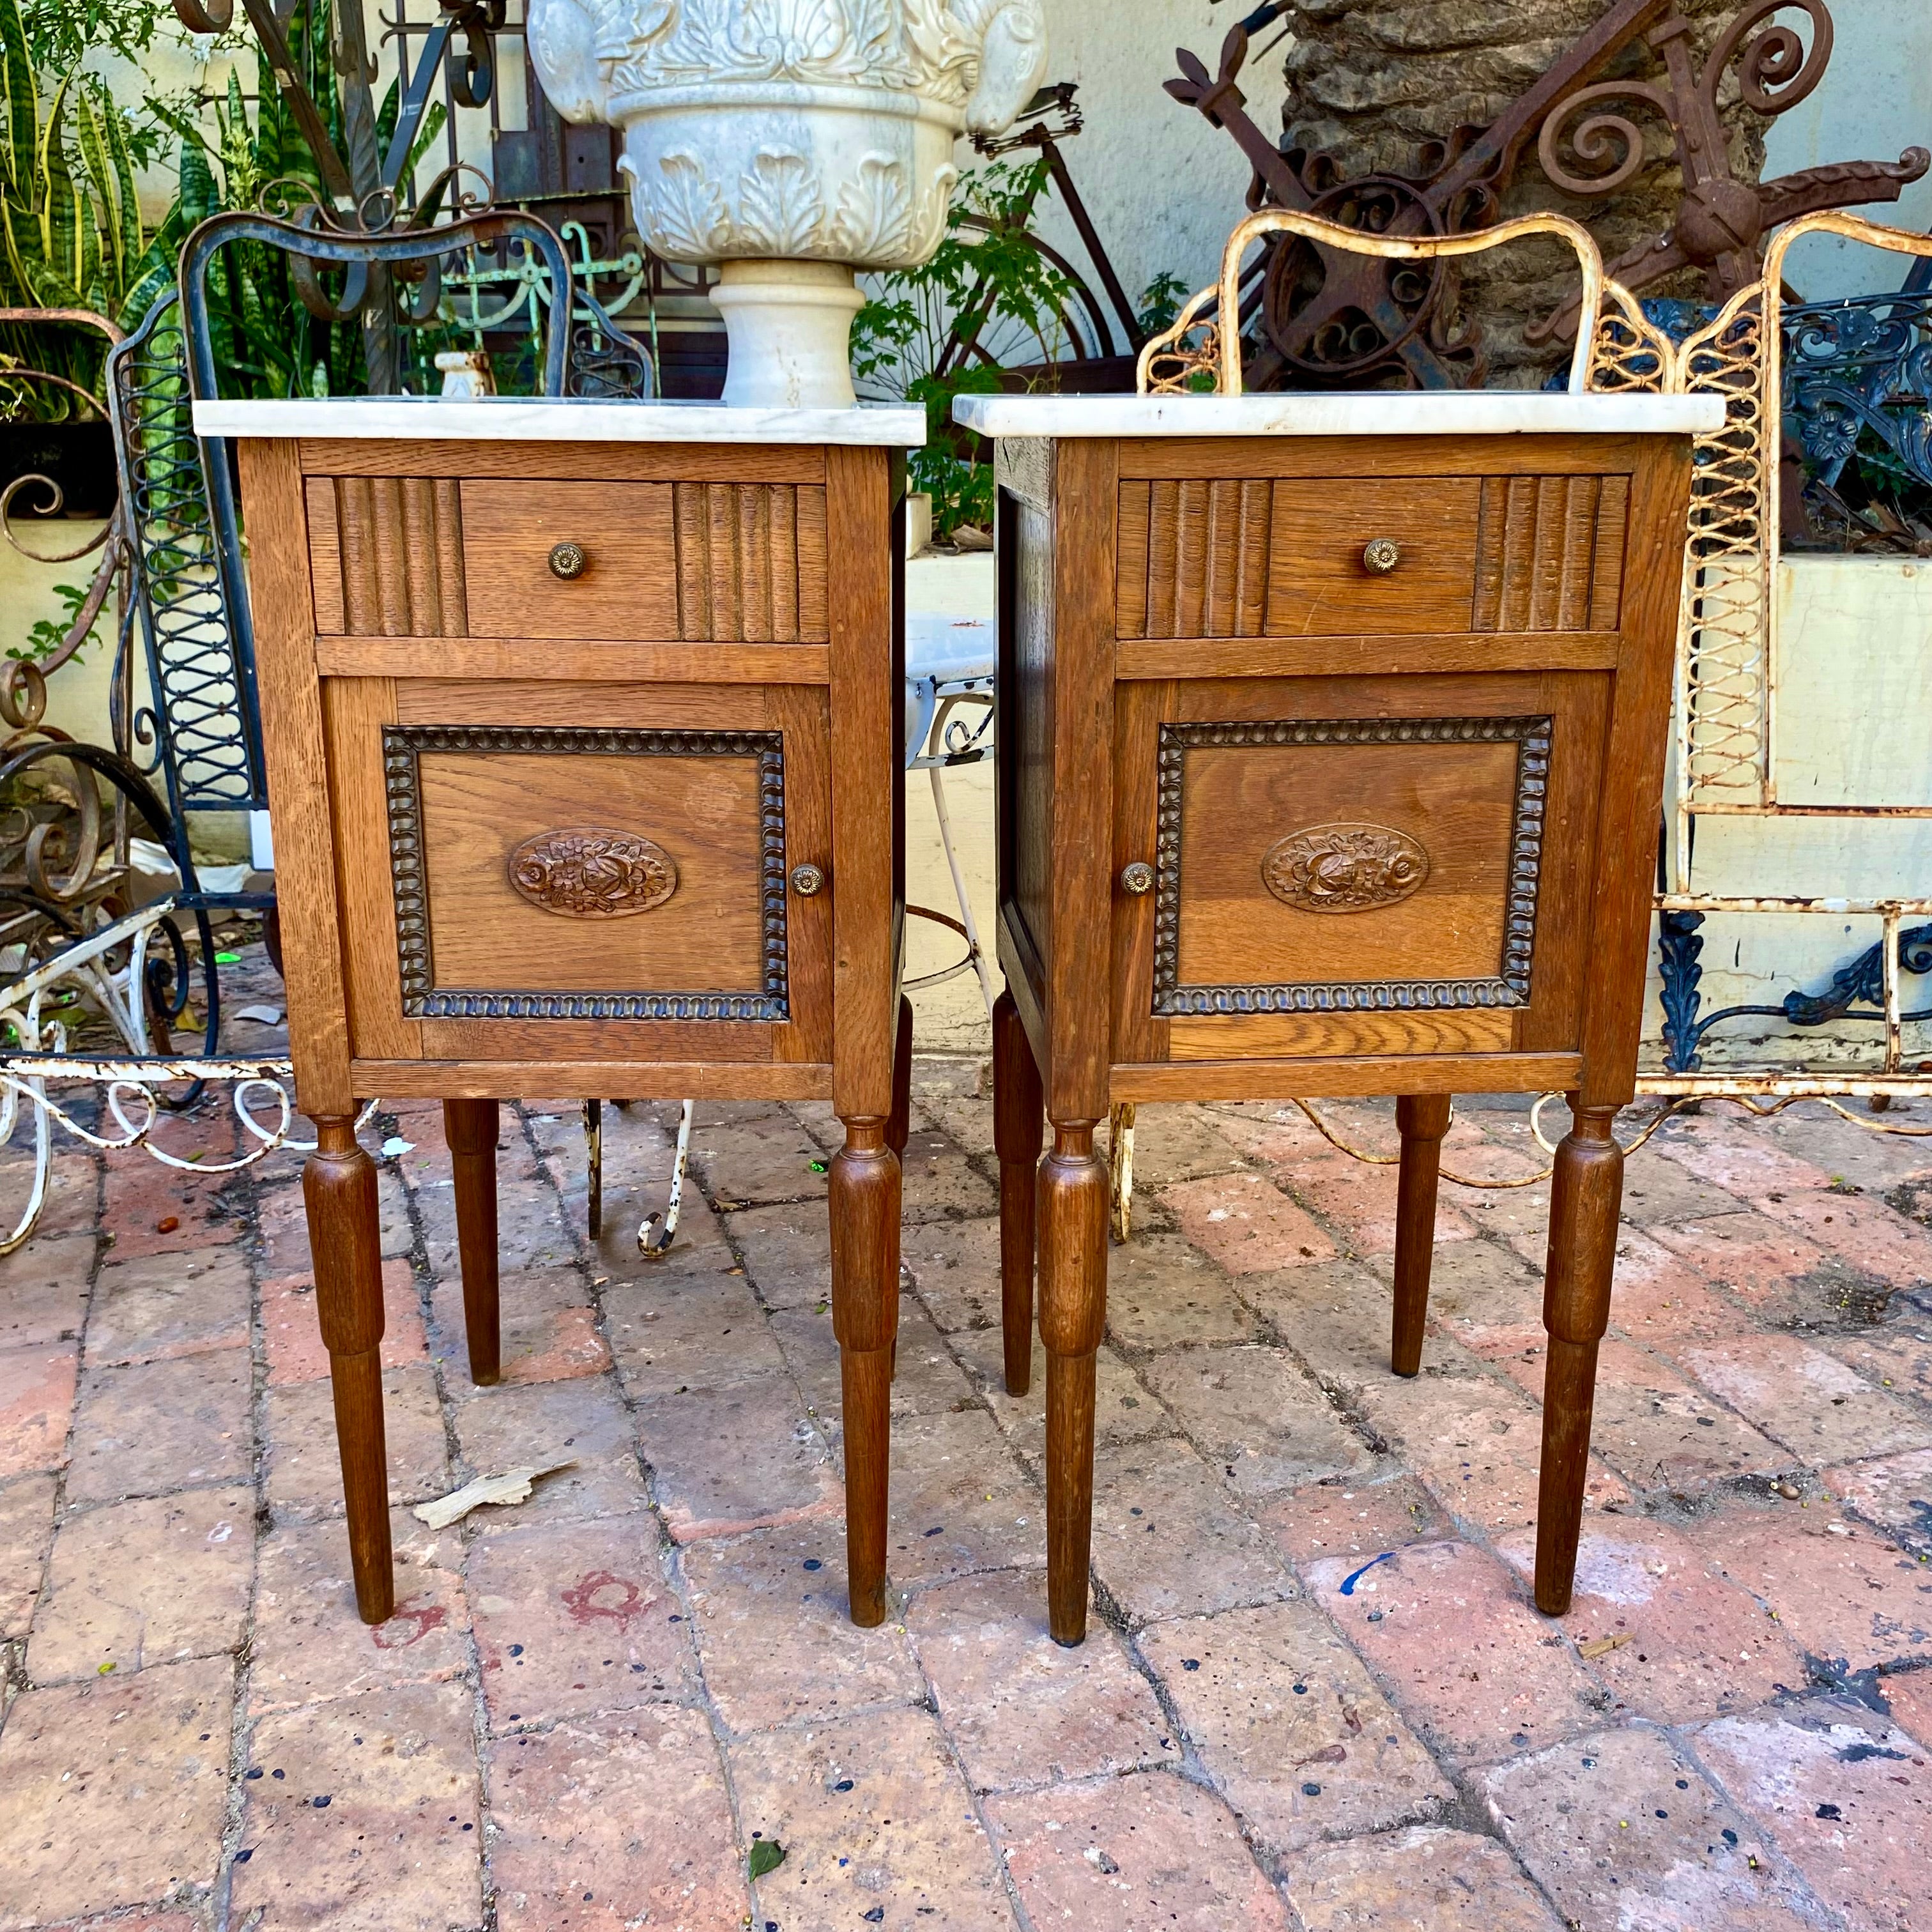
{"x": 1374, "y": 81}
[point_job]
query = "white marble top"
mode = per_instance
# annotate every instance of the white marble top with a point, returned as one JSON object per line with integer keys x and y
{"x": 1361, "y": 412}
{"x": 522, "y": 419}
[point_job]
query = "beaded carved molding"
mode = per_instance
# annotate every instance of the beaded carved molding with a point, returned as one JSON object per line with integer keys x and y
{"x": 402, "y": 746}
{"x": 1510, "y": 986}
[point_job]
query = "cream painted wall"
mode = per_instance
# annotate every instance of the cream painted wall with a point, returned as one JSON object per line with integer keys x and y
{"x": 1875, "y": 101}
{"x": 1164, "y": 187}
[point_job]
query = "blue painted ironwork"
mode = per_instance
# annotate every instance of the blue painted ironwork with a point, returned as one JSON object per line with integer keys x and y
{"x": 205, "y": 722}
{"x": 1856, "y": 992}
{"x": 1678, "y": 947}
{"x": 419, "y": 253}
{"x": 1861, "y": 365}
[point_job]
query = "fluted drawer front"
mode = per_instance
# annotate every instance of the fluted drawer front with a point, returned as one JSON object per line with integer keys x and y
{"x": 1261, "y": 556}
{"x": 534, "y": 557}
{"x": 386, "y": 553}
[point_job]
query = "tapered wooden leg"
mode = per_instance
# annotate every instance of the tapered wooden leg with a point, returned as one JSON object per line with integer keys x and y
{"x": 1584, "y": 1196}
{"x": 470, "y": 1128}
{"x": 1016, "y": 1139}
{"x": 1072, "y": 1209}
{"x": 863, "y": 1199}
{"x": 339, "y": 1191}
{"x": 1423, "y": 1119}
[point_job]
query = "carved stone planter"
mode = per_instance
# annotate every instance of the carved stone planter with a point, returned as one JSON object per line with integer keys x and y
{"x": 794, "y": 142}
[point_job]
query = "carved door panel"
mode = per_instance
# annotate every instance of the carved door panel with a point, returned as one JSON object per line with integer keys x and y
{"x": 1353, "y": 866}
{"x": 636, "y": 882}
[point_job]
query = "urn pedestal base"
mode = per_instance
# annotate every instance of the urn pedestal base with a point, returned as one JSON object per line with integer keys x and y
{"x": 789, "y": 326}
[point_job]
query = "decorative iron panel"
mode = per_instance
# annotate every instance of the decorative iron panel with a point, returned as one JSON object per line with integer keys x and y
{"x": 1509, "y": 988}
{"x": 201, "y": 668}
{"x": 402, "y": 746}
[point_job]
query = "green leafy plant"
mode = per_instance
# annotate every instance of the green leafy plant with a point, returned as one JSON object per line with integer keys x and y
{"x": 1160, "y": 303}
{"x": 70, "y": 220}
{"x": 987, "y": 304}
{"x": 988, "y": 301}
{"x": 47, "y": 635}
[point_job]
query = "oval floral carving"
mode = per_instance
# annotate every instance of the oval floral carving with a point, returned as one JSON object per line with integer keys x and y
{"x": 1345, "y": 867}
{"x": 587, "y": 872}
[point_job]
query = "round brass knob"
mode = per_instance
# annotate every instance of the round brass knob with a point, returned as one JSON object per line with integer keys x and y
{"x": 807, "y": 881}
{"x": 567, "y": 560}
{"x": 1137, "y": 878}
{"x": 1381, "y": 556}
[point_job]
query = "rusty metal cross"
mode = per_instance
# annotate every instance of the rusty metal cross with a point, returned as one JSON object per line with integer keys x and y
{"x": 1327, "y": 318}
{"x": 1722, "y": 220}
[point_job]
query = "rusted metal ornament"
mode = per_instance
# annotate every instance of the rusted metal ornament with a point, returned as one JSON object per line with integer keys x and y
{"x": 1345, "y": 867}
{"x": 588, "y": 872}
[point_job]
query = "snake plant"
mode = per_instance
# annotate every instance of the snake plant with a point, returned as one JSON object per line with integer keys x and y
{"x": 69, "y": 219}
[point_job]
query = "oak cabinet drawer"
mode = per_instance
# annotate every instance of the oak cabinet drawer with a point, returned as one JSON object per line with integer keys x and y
{"x": 536, "y": 557}
{"x": 1305, "y": 556}
{"x": 569, "y": 559}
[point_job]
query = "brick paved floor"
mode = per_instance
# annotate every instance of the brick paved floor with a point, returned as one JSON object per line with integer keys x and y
{"x": 1315, "y": 1694}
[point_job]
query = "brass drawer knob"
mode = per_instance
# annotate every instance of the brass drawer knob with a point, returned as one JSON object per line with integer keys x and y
{"x": 807, "y": 881}
{"x": 567, "y": 560}
{"x": 1381, "y": 556}
{"x": 1137, "y": 878}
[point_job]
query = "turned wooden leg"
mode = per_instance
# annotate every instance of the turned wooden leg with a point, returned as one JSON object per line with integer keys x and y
{"x": 1584, "y": 1196}
{"x": 1423, "y": 1119}
{"x": 470, "y": 1128}
{"x": 863, "y": 1200}
{"x": 339, "y": 1191}
{"x": 1016, "y": 1139}
{"x": 1072, "y": 1210}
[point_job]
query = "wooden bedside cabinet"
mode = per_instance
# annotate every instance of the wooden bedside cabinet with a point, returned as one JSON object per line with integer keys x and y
{"x": 1335, "y": 731}
{"x": 585, "y": 768}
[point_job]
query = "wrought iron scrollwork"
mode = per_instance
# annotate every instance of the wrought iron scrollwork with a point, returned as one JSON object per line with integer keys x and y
{"x": 1590, "y": 145}
{"x": 1858, "y": 365}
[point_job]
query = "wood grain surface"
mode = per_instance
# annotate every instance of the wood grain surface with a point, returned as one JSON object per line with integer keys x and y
{"x": 1456, "y": 801}
{"x": 629, "y": 585}
{"x": 478, "y": 807}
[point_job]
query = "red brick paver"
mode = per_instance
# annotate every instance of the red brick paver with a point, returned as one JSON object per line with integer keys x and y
{"x": 1314, "y": 1694}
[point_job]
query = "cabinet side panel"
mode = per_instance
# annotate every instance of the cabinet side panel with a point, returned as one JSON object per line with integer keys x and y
{"x": 868, "y": 649}
{"x": 284, "y": 610}
{"x": 1029, "y": 885}
{"x": 1086, "y": 482}
{"x": 1633, "y": 796}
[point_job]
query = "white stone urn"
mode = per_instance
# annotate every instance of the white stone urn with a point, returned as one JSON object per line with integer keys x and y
{"x": 793, "y": 142}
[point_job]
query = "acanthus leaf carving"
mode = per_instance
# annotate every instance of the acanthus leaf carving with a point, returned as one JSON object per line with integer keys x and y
{"x": 686, "y": 215}
{"x": 780, "y": 208}
{"x": 879, "y": 219}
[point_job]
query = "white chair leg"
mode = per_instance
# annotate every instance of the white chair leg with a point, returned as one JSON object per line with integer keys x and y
{"x": 1120, "y": 1170}
{"x": 975, "y": 952}
{"x": 658, "y": 1231}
